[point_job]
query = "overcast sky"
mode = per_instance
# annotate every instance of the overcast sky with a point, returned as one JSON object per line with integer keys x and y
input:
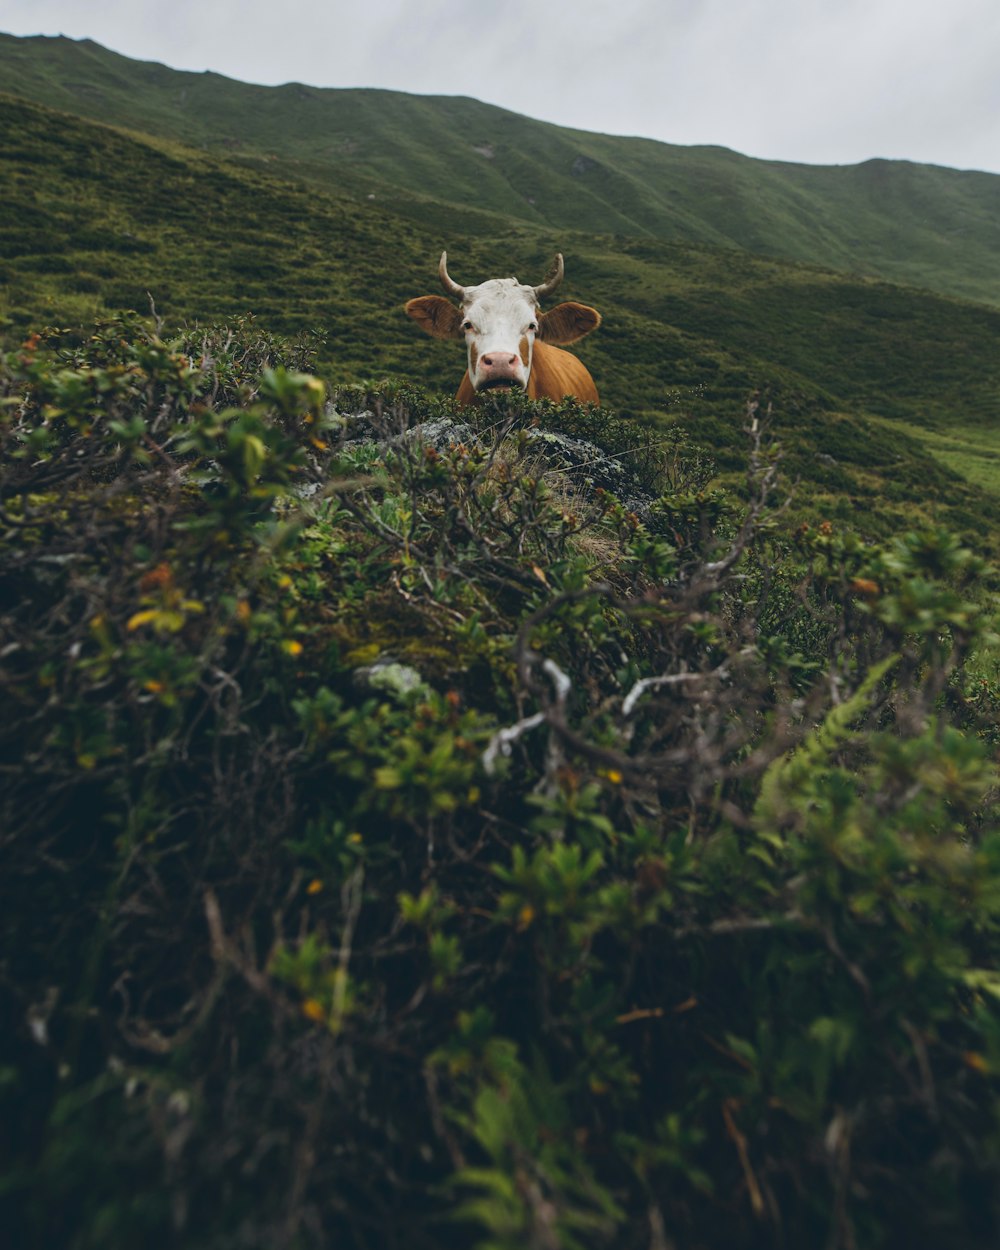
{"x": 814, "y": 81}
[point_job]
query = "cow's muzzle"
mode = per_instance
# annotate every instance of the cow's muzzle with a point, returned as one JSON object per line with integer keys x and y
{"x": 500, "y": 384}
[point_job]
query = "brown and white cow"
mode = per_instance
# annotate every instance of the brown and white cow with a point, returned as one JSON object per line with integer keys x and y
{"x": 510, "y": 341}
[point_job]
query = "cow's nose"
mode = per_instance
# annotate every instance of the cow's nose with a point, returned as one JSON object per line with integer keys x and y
{"x": 498, "y": 361}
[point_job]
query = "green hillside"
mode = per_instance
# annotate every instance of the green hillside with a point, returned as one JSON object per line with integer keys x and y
{"x": 867, "y": 377}
{"x": 920, "y": 225}
{"x": 525, "y": 827}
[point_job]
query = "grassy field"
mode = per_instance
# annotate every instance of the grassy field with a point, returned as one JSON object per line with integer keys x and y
{"x": 970, "y": 452}
{"x": 97, "y": 219}
{"x": 916, "y": 224}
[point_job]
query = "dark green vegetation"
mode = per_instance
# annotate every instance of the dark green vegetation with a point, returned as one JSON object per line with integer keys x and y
{"x": 917, "y": 224}
{"x": 702, "y": 953}
{"x": 864, "y": 375}
{"x": 450, "y": 857}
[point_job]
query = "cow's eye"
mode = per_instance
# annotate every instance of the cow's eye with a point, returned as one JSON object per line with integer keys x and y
{"x": 533, "y": 326}
{"x": 466, "y": 325}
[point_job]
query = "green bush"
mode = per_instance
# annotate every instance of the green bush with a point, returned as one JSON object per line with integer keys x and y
{"x": 401, "y": 846}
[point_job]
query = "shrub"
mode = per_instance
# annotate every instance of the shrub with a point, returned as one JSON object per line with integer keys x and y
{"x": 448, "y": 856}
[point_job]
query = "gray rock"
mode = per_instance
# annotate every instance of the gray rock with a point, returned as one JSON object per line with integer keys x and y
{"x": 441, "y": 434}
{"x": 587, "y": 466}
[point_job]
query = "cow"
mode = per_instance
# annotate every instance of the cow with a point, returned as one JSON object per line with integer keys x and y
{"x": 511, "y": 342}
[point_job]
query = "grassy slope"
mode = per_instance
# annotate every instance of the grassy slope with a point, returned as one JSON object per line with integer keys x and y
{"x": 921, "y": 225}
{"x": 94, "y": 218}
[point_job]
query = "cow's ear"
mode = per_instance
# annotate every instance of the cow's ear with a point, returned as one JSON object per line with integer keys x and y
{"x": 437, "y": 316}
{"x": 567, "y": 322}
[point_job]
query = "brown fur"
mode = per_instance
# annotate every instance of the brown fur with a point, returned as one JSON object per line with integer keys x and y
{"x": 567, "y": 322}
{"x": 437, "y": 315}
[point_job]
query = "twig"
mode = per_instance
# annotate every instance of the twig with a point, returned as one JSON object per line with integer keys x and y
{"x": 500, "y": 743}
{"x": 668, "y": 679}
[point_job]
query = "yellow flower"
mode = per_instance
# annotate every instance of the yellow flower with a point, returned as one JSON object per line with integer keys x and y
{"x": 141, "y": 618}
{"x": 292, "y": 646}
{"x": 314, "y": 887}
{"x": 314, "y": 1010}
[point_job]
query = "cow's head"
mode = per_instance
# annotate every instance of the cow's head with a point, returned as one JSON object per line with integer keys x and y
{"x": 500, "y": 321}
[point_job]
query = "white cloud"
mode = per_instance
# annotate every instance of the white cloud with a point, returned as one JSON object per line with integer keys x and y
{"x": 818, "y": 81}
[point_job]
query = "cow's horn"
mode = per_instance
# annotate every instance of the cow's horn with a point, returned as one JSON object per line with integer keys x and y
{"x": 449, "y": 285}
{"x": 552, "y": 278}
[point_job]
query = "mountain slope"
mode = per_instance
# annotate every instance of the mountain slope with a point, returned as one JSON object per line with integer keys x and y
{"x": 868, "y": 378}
{"x": 920, "y": 225}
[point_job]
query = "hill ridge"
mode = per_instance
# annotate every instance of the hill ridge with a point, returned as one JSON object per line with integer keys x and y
{"x": 922, "y": 225}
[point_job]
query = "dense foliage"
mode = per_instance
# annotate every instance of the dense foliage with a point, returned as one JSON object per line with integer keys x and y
{"x": 402, "y": 843}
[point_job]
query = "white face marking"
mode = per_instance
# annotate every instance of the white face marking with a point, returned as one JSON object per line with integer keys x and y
{"x": 500, "y": 318}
